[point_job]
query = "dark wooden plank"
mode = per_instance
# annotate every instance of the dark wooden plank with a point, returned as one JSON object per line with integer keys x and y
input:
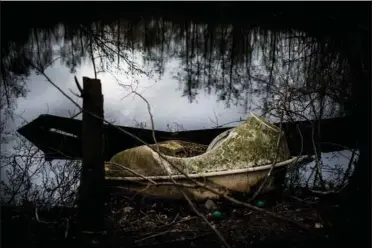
{"x": 333, "y": 131}
{"x": 91, "y": 202}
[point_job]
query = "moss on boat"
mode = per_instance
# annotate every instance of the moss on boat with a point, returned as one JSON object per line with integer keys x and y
{"x": 253, "y": 143}
{"x": 146, "y": 162}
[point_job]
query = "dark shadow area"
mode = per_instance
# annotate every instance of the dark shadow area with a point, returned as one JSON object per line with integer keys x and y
{"x": 310, "y": 61}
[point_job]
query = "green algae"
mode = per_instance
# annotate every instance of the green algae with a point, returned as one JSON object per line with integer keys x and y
{"x": 251, "y": 144}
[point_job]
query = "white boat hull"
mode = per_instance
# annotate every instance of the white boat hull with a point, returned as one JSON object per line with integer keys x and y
{"x": 239, "y": 180}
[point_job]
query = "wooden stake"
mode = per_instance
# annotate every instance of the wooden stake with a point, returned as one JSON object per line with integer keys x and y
{"x": 91, "y": 202}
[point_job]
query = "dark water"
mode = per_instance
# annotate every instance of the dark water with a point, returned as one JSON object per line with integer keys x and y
{"x": 233, "y": 66}
{"x": 195, "y": 72}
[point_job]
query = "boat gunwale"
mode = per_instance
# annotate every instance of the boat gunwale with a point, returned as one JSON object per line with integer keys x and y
{"x": 206, "y": 174}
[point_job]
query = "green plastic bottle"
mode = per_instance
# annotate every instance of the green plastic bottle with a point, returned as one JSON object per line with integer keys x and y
{"x": 217, "y": 214}
{"x": 260, "y": 204}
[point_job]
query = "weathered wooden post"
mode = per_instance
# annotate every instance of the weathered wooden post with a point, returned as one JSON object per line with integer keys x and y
{"x": 91, "y": 202}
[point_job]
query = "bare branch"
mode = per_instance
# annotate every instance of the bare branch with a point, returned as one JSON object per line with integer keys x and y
{"x": 183, "y": 173}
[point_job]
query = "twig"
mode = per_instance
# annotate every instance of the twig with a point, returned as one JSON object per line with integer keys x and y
{"x": 93, "y": 233}
{"x": 78, "y": 86}
{"x": 182, "y": 239}
{"x": 153, "y": 236}
{"x": 142, "y": 190}
{"x": 317, "y": 159}
{"x": 67, "y": 227}
{"x": 319, "y": 192}
{"x": 92, "y": 57}
{"x": 219, "y": 235}
{"x": 136, "y": 221}
{"x": 175, "y": 218}
{"x": 302, "y": 200}
{"x": 335, "y": 144}
{"x": 152, "y": 122}
{"x": 172, "y": 223}
{"x": 311, "y": 174}
{"x": 40, "y": 221}
{"x": 155, "y": 184}
{"x": 222, "y": 239}
{"x": 78, "y": 113}
{"x": 177, "y": 184}
{"x": 274, "y": 162}
{"x": 346, "y": 175}
{"x": 132, "y": 171}
{"x": 74, "y": 93}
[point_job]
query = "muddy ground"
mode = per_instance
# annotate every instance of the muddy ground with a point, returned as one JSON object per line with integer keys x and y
{"x": 155, "y": 223}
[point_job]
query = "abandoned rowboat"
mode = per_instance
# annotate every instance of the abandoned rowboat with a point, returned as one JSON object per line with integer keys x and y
{"x": 236, "y": 160}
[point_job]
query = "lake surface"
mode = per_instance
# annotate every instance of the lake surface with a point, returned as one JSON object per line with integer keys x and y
{"x": 194, "y": 74}
{"x": 189, "y": 73}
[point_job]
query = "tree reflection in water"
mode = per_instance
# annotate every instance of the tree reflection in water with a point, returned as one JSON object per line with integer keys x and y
{"x": 233, "y": 61}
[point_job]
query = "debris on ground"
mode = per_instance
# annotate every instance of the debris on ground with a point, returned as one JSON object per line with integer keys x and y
{"x": 166, "y": 223}
{"x": 210, "y": 205}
